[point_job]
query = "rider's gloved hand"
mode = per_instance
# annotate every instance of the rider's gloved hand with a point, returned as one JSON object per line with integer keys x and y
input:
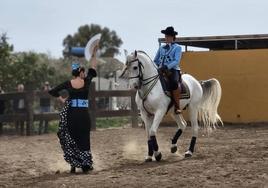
{"x": 162, "y": 69}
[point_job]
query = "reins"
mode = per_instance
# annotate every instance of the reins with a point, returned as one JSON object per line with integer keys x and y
{"x": 144, "y": 82}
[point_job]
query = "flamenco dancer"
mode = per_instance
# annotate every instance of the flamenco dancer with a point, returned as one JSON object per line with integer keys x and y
{"x": 74, "y": 124}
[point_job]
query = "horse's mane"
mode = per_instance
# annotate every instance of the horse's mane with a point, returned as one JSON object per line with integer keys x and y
{"x": 144, "y": 55}
{"x": 143, "y": 52}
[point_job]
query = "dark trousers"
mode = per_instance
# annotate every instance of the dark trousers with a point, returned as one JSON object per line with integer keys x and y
{"x": 43, "y": 124}
{"x": 174, "y": 77}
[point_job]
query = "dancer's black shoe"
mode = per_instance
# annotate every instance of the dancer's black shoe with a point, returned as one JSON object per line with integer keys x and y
{"x": 87, "y": 168}
{"x": 72, "y": 171}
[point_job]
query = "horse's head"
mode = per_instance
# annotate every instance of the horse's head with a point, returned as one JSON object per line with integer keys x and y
{"x": 133, "y": 70}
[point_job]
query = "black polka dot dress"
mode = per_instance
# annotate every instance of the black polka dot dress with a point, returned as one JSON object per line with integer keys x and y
{"x": 74, "y": 124}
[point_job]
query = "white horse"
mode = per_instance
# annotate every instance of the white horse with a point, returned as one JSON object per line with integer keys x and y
{"x": 153, "y": 102}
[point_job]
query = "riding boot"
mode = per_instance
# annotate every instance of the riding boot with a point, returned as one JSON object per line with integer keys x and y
{"x": 176, "y": 99}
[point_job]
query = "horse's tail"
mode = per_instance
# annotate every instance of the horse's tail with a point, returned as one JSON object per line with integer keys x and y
{"x": 207, "y": 111}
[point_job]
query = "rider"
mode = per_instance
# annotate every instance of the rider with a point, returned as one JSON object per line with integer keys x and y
{"x": 168, "y": 60}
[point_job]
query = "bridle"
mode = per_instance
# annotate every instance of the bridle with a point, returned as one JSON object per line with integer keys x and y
{"x": 140, "y": 65}
{"x": 142, "y": 81}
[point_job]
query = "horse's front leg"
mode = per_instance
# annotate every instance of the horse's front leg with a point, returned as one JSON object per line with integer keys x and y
{"x": 148, "y": 120}
{"x": 152, "y": 142}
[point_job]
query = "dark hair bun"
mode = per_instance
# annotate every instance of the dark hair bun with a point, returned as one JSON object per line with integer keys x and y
{"x": 76, "y": 72}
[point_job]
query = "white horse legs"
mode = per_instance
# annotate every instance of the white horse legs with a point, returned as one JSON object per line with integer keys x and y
{"x": 152, "y": 124}
{"x": 181, "y": 126}
{"x": 194, "y": 124}
{"x": 148, "y": 120}
{"x": 156, "y": 122}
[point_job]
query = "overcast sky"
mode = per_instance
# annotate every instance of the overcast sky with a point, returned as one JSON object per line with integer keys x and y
{"x": 41, "y": 25}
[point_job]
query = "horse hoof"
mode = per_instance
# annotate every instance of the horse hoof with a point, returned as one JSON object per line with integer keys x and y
{"x": 158, "y": 157}
{"x": 148, "y": 159}
{"x": 188, "y": 154}
{"x": 173, "y": 149}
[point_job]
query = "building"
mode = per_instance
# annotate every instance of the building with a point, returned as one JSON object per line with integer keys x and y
{"x": 240, "y": 63}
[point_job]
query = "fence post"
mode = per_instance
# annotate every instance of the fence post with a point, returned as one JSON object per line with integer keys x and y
{"x": 134, "y": 110}
{"x": 29, "y": 98}
{"x": 1, "y": 128}
{"x": 92, "y": 105}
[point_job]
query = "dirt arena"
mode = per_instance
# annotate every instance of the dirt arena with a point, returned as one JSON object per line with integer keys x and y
{"x": 233, "y": 156}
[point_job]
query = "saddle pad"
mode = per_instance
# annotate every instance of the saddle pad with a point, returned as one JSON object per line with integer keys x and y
{"x": 185, "y": 93}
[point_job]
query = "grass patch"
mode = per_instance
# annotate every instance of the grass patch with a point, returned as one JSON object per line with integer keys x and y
{"x": 100, "y": 123}
{"x": 111, "y": 122}
{"x": 53, "y": 126}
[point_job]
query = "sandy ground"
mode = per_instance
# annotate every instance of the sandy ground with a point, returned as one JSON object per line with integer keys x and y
{"x": 234, "y": 156}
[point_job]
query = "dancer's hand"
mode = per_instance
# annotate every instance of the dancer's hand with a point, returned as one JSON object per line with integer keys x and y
{"x": 93, "y": 59}
{"x": 162, "y": 69}
{"x": 61, "y": 99}
{"x": 95, "y": 50}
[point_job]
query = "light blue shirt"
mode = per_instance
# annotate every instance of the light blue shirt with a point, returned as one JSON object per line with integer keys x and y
{"x": 169, "y": 56}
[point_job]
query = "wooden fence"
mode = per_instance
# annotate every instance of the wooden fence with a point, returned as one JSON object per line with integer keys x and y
{"x": 29, "y": 116}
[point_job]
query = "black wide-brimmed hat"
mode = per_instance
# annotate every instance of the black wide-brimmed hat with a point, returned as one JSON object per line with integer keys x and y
{"x": 169, "y": 31}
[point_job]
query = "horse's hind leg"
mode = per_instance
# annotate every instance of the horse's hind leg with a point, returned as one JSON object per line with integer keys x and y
{"x": 194, "y": 124}
{"x": 181, "y": 126}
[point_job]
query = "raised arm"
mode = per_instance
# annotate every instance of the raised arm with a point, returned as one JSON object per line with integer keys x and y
{"x": 93, "y": 62}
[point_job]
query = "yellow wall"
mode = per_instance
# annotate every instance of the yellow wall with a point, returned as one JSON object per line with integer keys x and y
{"x": 243, "y": 75}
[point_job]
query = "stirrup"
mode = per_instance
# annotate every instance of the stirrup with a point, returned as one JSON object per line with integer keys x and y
{"x": 177, "y": 111}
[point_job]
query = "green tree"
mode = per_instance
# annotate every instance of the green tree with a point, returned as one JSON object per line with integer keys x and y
{"x": 5, "y": 47}
{"x": 29, "y": 68}
{"x": 109, "y": 43}
{"x": 5, "y": 59}
{"x": 32, "y": 70}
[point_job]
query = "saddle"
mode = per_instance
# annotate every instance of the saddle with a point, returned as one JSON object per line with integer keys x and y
{"x": 184, "y": 91}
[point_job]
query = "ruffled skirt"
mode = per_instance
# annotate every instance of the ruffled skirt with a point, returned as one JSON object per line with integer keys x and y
{"x": 72, "y": 152}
